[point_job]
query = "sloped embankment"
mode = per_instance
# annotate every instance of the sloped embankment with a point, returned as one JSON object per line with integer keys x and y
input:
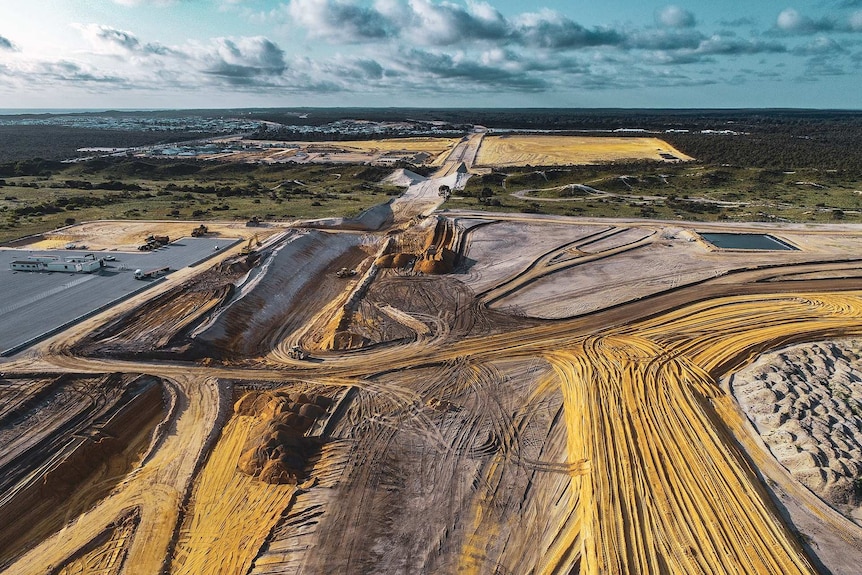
{"x": 299, "y": 281}
{"x": 68, "y": 448}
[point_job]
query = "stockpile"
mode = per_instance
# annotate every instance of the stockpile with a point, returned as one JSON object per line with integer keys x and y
{"x": 438, "y": 253}
{"x": 277, "y": 449}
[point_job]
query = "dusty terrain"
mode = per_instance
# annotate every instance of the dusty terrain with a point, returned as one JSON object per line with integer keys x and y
{"x": 806, "y": 403}
{"x": 429, "y": 151}
{"x": 127, "y": 235}
{"x": 452, "y": 393}
{"x": 518, "y": 150}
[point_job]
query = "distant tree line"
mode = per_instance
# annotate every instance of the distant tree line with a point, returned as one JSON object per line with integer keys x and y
{"x": 831, "y": 149}
{"x": 62, "y": 142}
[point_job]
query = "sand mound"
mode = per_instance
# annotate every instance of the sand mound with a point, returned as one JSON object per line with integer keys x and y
{"x": 806, "y": 403}
{"x": 404, "y": 178}
{"x": 440, "y": 261}
{"x": 277, "y": 450}
{"x": 399, "y": 260}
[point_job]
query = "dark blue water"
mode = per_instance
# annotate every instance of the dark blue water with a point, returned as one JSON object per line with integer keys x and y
{"x": 746, "y": 242}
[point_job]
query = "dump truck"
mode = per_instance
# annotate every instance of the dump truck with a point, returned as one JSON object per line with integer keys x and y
{"x": 153, "y": 273}
{"x": 200, "y": 231}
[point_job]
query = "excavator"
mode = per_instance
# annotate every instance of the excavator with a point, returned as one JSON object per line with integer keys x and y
{"x": 253, "y": 242}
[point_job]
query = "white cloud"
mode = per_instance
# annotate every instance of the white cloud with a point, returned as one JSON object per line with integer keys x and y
{"x": 338, "y": 20}
{"x": 675, "y": 17}
{"x": 243, "y": 60}
{"x": 6, "y": 44}
{"x": 132, "y": 3}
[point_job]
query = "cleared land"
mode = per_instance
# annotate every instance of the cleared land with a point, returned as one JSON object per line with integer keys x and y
{"x": 505, "y": 151}
{"x": 485, "y": 394}
{"x": 419, "y": 151}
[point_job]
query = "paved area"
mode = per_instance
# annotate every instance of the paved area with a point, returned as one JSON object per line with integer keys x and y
{"x": 36, "y": 304}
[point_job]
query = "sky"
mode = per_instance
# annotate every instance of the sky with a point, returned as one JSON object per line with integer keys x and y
{"x": 145, "y": 54}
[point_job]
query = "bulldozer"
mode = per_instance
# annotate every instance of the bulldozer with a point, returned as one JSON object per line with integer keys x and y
{"x": 345, "y": 273}
{"x": 296, "y": 352}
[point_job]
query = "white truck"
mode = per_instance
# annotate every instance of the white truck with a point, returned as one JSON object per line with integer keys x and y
{"x": 153, "y": 273}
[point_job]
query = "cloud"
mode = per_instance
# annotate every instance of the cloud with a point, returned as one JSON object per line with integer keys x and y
{"x": 132, "y": 3}
{"x": 67, "y": 71}
{"x": 244, "y": 60}
{"x": 674, "y": 17}
{"x": 718, "y": 45}
{"x": 428, "y": 23}
{"x": 458, "y": 72}
{"x": 738, "y": 22}
{"x": 445, "y": 24}
{"x": 548, "y": 29}
{"x": 338, "y": 20}
{"x": 856, "y": 21}
{"x": 791, "y": 21}
{"x": 114, "y": 41}
{"x": 819, "y": 46}
{"x": 6, "y": 44}
{"x": 664, "y": 40}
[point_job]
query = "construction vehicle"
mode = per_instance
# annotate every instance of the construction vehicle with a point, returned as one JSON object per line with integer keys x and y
{"x": 152, "y": 242}
{"x": 297, "y": 352}
{"x": 249, "y": 247}
{"x": 200, "y": 231}
{"x": 153, "y": 273}
{"x": 345, "y": 273}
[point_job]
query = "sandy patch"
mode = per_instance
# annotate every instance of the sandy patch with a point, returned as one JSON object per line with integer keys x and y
{"x": 402, "y": 177}
{"x": 127, "y": 235}
{"x": 806, "y": 403}
{"x": 569, "y": 150}
{"x": 601, "y": 272}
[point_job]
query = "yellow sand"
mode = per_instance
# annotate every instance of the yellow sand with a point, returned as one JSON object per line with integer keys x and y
{"x": 569, "y": 150}
{"x": 231, "y": 513}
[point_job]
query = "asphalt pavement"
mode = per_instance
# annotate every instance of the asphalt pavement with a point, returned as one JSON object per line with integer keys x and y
{"x": 35, "y": 305}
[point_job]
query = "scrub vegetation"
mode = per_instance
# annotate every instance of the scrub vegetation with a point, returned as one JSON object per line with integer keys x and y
{"x": 37, "y": 196}
{"x": 687, "y": 191}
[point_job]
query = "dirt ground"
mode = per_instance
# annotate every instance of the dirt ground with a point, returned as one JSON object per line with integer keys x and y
{"x": 127, "y": 235}
{"x": 551, "y": 395}
{"x": 518, "y": 150}
{"x": 806, "y": 403}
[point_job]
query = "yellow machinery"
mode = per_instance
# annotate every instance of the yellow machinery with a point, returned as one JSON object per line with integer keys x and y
{"x": 253, "y": 242}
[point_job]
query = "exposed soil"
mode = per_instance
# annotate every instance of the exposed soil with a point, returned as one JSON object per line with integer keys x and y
{"x": 67, "y": 447}
{"x": 806, "y": 403}
{"x": 483, "y": 395}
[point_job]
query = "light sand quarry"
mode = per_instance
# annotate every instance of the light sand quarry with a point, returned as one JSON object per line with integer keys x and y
{"x": 520, "y": 150}
{"x": 504, "y": 394}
